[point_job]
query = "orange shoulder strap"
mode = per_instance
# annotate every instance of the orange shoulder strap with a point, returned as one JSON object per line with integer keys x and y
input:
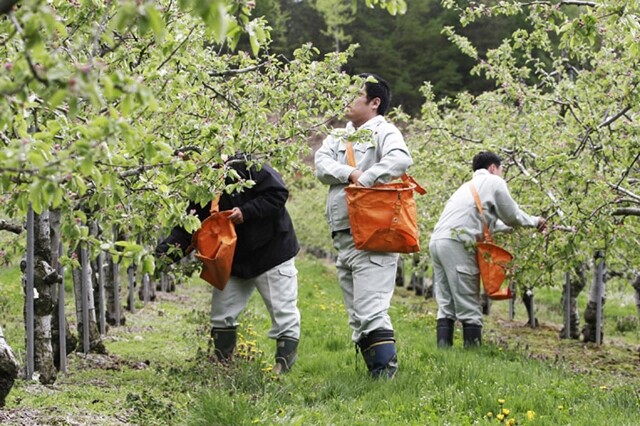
{"x": 351, "y": 160}
{"x": 476, "y": 197}
{"x": 214, "y": 205}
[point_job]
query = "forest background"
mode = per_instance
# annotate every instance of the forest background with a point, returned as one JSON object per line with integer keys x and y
{"x": 406, "y": 49}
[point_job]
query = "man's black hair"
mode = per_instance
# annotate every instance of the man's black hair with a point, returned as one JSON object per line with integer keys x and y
{"x": 378, "y": 89}
{"x": 484, "y": 159}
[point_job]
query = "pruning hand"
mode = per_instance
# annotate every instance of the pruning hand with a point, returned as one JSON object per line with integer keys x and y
{"x": 542, "y": 224}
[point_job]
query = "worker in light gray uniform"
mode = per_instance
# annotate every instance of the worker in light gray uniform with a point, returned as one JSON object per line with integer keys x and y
{"x": 452, "y": 247}
{"x": 367, "y": 278}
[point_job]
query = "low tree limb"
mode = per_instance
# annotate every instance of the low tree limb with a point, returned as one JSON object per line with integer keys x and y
{"x": 613, "y": 118}
{"x": 562, "y": 3}
{"x": 236, "y": 71}
{"x": 626, "y": 192}
{"x": 11, "y": 227}
{"x": 626, "y": 211}
{"x": 549, "y": 193}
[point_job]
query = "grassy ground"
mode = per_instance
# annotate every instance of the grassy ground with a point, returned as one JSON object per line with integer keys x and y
{"x": 158, "y": 371}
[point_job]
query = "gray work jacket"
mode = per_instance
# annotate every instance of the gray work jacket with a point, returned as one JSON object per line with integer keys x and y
{"x": 380, "y": 152}
{"x": 461, "y": 220}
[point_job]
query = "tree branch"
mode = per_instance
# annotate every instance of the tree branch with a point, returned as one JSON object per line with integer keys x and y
{"x": 32, "y": 67}
{"x": 178, "y": 47}
{"x": 550, "y": 194}
{"x": 229, "y": 101}
{"x": 5, "y": 139}
{"x": 236, "y": 71}
{"x": 625, "y": 191}
{"x": 11, "y": 227}
{"x": 626, "y": 211}
{"x": 614, "y": 118}
{"x": 454, "y": 135}
{"x": 626, "y": 172}
{"x": 562, "y": 3}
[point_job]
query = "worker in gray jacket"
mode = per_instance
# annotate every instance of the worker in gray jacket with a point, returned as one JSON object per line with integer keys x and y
{"x": 367, "y": 278}
{"x": 453, "y": 252}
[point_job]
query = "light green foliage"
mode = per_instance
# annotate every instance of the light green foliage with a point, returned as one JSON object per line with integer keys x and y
{"x": 392, "y": 6}
{"x": 120, "y": 109}
{"x": 563, "y": 117}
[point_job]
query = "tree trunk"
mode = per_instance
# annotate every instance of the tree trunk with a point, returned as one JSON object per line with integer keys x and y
{"x": 114, "y": 308}
{"x": 636, "y": 287}
{"x": 44, "y": 281}
{"x": 71, "y": 341}
{"x": 8, "y": 368}
{"x": 95, "y": 339}
{"x": 577, "y": 283}
{"x": 589, "y": 332}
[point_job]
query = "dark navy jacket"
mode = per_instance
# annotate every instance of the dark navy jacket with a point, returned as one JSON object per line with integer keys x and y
{"x": 266, "y": 238}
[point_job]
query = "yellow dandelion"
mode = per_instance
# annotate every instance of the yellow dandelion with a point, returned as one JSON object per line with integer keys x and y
{"x": 501, "y": 401}
{"x": 506, "y": 411}
{"x": 489, "y": 414}
{"x": 511, "y": 422}
{"x": 531, "y": 415}
{"x": 560, "y": 407}
{"x": 603, "y": 387}
{"x": 500, "y": 417}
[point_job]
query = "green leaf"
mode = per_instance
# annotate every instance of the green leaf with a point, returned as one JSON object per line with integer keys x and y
{"x": 143, "y": 25}
{"x": 148, "y": 264}
{"x": 155, "y": 21}
{"x": 57, "y": 98}
{"x": 255, "y": 45}
{"x": 149, "y": 150}
{"x": 35, "y": 196}
{"x": 216, "y": 20}
{"x": 36, "y": 158}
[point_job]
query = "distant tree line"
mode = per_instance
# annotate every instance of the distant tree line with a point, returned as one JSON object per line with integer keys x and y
{"x": 408, "y": 49}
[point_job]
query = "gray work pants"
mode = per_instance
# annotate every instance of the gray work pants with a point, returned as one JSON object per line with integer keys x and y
{"x": 279, "y": 290}
{"x": 456, "y": 281}
{"x": 367, "y": 280}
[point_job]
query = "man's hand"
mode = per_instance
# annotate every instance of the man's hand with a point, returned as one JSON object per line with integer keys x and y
{"x": 236, "y": 216}
{"x": 542, "y": 224}
{"x": 353, "y": 177}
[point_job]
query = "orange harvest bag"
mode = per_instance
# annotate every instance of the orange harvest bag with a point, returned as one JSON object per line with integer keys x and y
{"x": 493, "y": 260}
{"x": 215, "y": 245}
{"x": 384, "y": 217}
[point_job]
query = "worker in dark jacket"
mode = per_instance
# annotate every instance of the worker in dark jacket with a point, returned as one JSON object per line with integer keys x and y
{"x": 264, "y": 259}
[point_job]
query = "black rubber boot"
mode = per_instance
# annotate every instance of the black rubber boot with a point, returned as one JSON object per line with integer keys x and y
{"x": 472, "y": 335}
{"x": 444, "y": 335}
{"x": 286, "y": 354}
{"x": 224, "y": 342}
{"x": 379, "y": 353}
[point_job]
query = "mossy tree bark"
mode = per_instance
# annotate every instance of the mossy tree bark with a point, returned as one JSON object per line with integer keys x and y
{"x": 44, "y": 281}
{"x": 8, "y": 368}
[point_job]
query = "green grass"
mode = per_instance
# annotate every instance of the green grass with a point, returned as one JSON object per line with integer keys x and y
{"x": 158, "y": 371}
{"x": 11, "y": 303}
